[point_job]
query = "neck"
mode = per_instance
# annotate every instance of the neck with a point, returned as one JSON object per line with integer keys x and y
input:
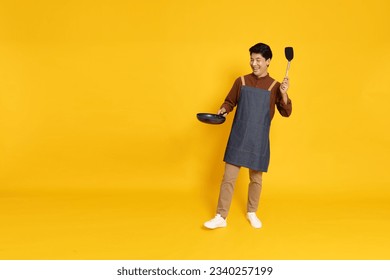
{"x": 261, "y": 75}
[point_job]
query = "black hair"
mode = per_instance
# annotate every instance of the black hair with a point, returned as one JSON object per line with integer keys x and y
{"x": 262, "y": 49}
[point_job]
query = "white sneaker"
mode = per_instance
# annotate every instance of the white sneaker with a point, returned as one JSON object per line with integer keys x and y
{"x": 216, "y": 222}
{"x": 255, "y": 222}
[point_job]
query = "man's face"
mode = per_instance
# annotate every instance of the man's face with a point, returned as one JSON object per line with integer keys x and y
{"x": 259, "y": 64}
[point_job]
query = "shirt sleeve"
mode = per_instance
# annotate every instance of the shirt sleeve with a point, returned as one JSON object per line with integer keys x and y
{"x": 283, "y": 108}
{"x": 232, "y": 97}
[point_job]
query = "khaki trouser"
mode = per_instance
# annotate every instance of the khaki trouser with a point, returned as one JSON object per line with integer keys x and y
{"x": 227, "y": 188}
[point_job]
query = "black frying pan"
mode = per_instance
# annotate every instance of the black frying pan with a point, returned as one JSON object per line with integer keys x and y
{"x": 211, "y": 118}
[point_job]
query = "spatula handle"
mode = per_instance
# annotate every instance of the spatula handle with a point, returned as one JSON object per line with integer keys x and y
{"x": 288, "y": 67}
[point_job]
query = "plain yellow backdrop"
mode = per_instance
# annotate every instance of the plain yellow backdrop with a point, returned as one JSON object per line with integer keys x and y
{"x": 100, "y": 143}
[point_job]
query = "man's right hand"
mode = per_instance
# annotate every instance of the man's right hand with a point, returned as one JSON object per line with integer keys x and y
{"x": 222, "y": 111}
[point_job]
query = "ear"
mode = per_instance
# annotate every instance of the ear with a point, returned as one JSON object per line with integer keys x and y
{"x": 268, "y": 61}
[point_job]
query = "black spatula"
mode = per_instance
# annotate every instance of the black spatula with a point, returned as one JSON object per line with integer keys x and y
{"x": 289, "y": 53}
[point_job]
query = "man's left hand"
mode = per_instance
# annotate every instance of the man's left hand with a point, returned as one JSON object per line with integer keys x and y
{"x": 284, "y": 85}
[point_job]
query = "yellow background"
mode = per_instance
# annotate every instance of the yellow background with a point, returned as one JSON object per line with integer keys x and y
{"x": 102, "y": 157}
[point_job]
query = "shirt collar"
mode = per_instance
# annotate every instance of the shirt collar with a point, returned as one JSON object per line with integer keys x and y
{"x": 255, "y": 77}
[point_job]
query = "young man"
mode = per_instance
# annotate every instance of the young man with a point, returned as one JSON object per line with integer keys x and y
{"x": 256, "y": 96}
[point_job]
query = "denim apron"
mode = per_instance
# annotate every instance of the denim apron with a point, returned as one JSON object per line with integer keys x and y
{"x": 248, "y": 143}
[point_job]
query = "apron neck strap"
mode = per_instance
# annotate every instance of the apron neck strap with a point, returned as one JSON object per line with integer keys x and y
{"x": 243, "y": 80}
{"x": 272, "y": 85}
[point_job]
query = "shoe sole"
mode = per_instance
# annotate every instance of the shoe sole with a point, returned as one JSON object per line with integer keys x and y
{"x": 215, "y": 227}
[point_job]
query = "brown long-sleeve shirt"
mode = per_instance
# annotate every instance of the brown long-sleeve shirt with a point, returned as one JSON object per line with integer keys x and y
{"x": 251, "y": 80}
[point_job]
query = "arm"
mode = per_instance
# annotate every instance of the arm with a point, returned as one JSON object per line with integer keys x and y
{"x": 283, "y": 102}
{"x": 232, "y": 98}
